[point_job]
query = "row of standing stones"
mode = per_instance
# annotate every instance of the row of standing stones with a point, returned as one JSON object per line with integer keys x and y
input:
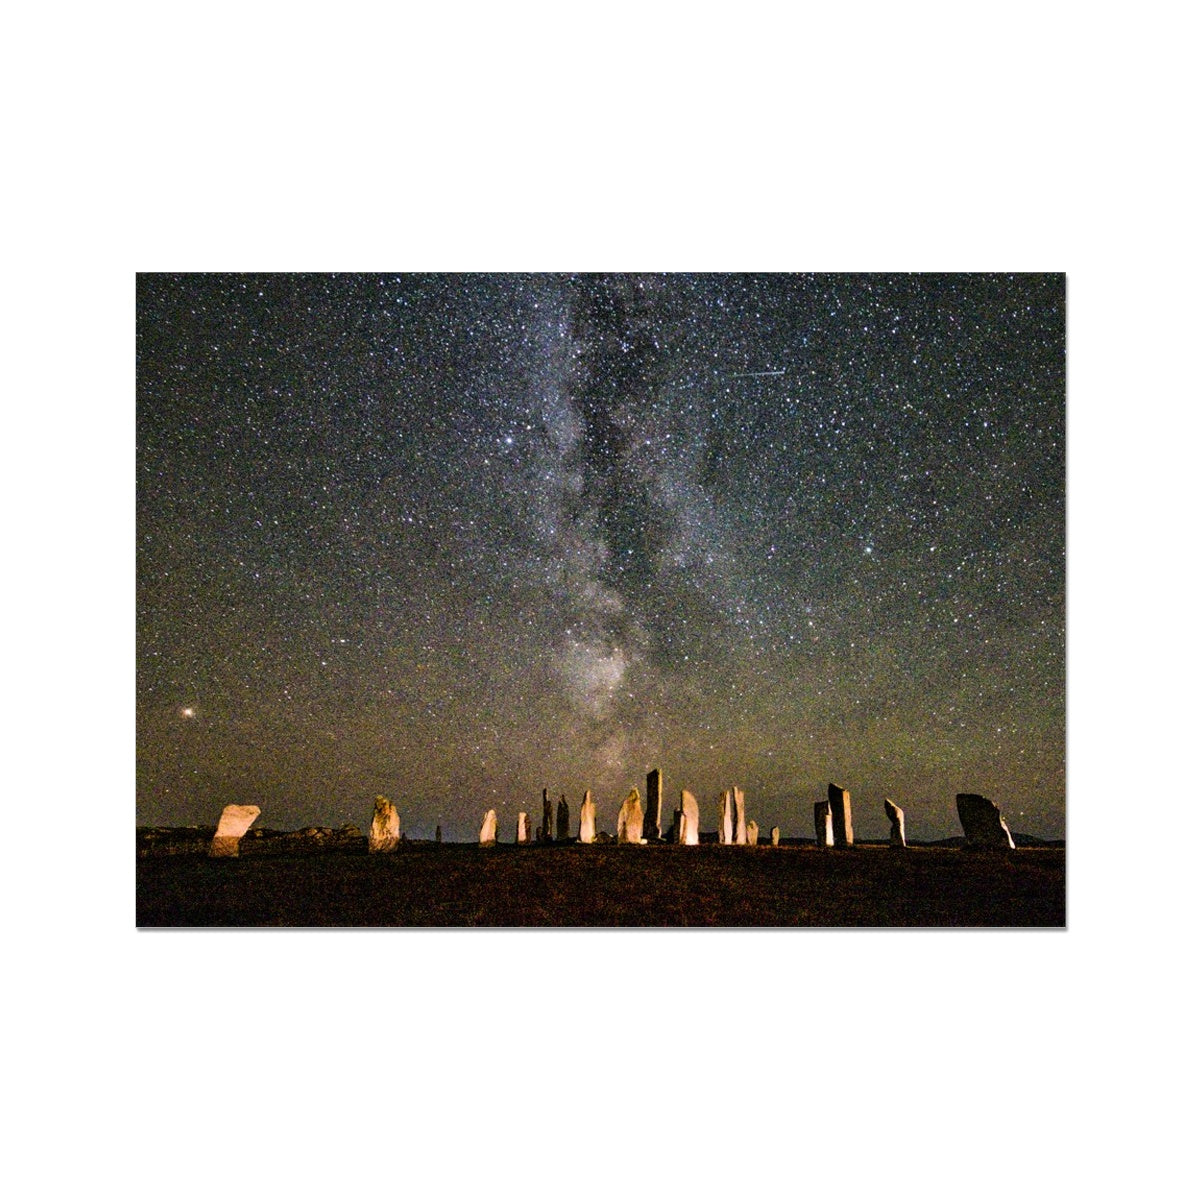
{"x": 981, "y": 821}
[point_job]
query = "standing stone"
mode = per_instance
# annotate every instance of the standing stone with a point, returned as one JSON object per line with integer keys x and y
{"x": 676, "y": 823}
{"x": 751, "y": 833}
{"x": 896, "y": 816}
{"x": 839, "y": 805}
{"x": 587, "y": 820}
{"x": 564, "y": 820}
{"x": 547, "y": 831}
{"x": 689, "y": 830}
{"x": 522, "y": 829}
{"x": 981, "y": 822}
{"x": 725, "y": 824}
{"x": 235, "y": 820}
{"x": 653, "y": 823}
{"x": 487, "y": 831}
{"x": 774, "y": 835}
{"x": 437, "y": 836}
{"x": 823, "y": 820}
{"x": 629, "y": 820}
{"x": 739, "y": 816}
{"x": 385, "y": 828}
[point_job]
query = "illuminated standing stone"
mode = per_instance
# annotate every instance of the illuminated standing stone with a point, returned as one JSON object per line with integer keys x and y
{"x": 564, "y": 820}
{"x": 839, "y": 806}
{"x": 547, "y": 830}
{"x": 982, "y": 822}
{"x": 774, "y": 835}
{"x": 652, "y": 827}
{"x": 587, "y": 820}
{"x": 487, "y": 831}
{"x": 896, "y": 816}
{"x": 385, "y": 827}
{"x": 690, "y": 826}
{"x": 751, "y": 833}
{"x": 522, "y": 829}
{"x": 739, "y": 816}
{"x": 725, "y": 824}
{"x": 823, "y": 820}
{"x": 629, "y": 820}
{"x": 235, "y": 820}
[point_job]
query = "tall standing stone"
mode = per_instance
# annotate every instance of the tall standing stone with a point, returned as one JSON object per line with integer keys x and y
{"x": 385, "y": 827}
{"x": 839, "y": 806}
{"x": 739, "y": 816}
{"x": 630, "y": 819}
{"x": 690, "y": 826}
{"x": 564, "y": 820}
{"x": 487, "y": 831}
{"x": 547, "y": 830}
{"x": 653, "y": 823}
{"x": 437, "y": 835}
{"x": 896, "y": 816}
{"x": 235, "y": 820}
{"x": 587, "y": 820}
{"x": 725, "y": 824}
{"x": 982, "y": 822}
{"x": 774, "y": 835}
{"x": 522, "y": 829}
{"x": 751, "y": 833}
{"x": 823, "y": 820}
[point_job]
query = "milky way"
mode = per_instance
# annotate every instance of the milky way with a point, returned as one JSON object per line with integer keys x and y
{"x": 458, "y": 538}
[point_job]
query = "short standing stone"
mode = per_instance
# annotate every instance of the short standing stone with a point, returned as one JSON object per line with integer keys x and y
{"x": 587, "y": 820}
{"x": 823, "y": 821}
{"x": 839, "y": 806}
{"x": 739, "y": 816}
{"x": 673, "y": 834}
{"x": 487, "y": 831}
{"x": 629, "y": 820}
{"x": 690, "y": 826}
{"x": 725, "y": 823}
{"x": 982, "y": 822}
{"x": 751, "y": 833}
{"x": 896, "y": 816}
{"x": 564, "y": 820}
{"x": 385, "y": 827}
{"x": 235, "y": 820}
{"x": 522, "y": 828}
{"x": 652, "y": 826}
{"x": 774, "y": 835}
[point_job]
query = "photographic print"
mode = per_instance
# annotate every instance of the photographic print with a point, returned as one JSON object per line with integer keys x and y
{"x": 577, "y": 600}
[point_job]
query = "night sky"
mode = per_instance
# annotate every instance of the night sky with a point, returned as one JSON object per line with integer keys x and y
{"x": 457, "y": 538}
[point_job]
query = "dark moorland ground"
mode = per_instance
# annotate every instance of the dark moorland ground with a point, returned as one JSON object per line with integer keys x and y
{"x": 606, "y": 885}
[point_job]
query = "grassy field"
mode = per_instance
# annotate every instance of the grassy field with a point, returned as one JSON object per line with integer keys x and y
{"x": 608, "y": 885}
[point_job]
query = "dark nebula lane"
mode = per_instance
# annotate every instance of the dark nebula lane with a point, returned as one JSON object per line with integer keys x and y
{"x": 457, "y": 538}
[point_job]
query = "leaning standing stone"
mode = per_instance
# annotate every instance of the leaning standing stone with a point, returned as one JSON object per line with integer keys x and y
{"x": 774, "y": 835}
{"x": 487, "y": 831}
{"x": 587, "y": 820}
{"x": 235, "y": 820}
{"x": 385, "y": 827}
{"x": 896, "y": 816}
{"x": 629, "y": 820}
{"x": 564, "y": 820}
{"x": 652, "y": 826}
{"x": 982, "y": 822}
{"x": 751, "y": 833}
{"x": 823, "y": 820}
{"x": 839, "y": 805}
{"x": 690, "y": 825}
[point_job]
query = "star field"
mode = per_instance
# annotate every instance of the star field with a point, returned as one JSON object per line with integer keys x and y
{"x": 458, "y": 538}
